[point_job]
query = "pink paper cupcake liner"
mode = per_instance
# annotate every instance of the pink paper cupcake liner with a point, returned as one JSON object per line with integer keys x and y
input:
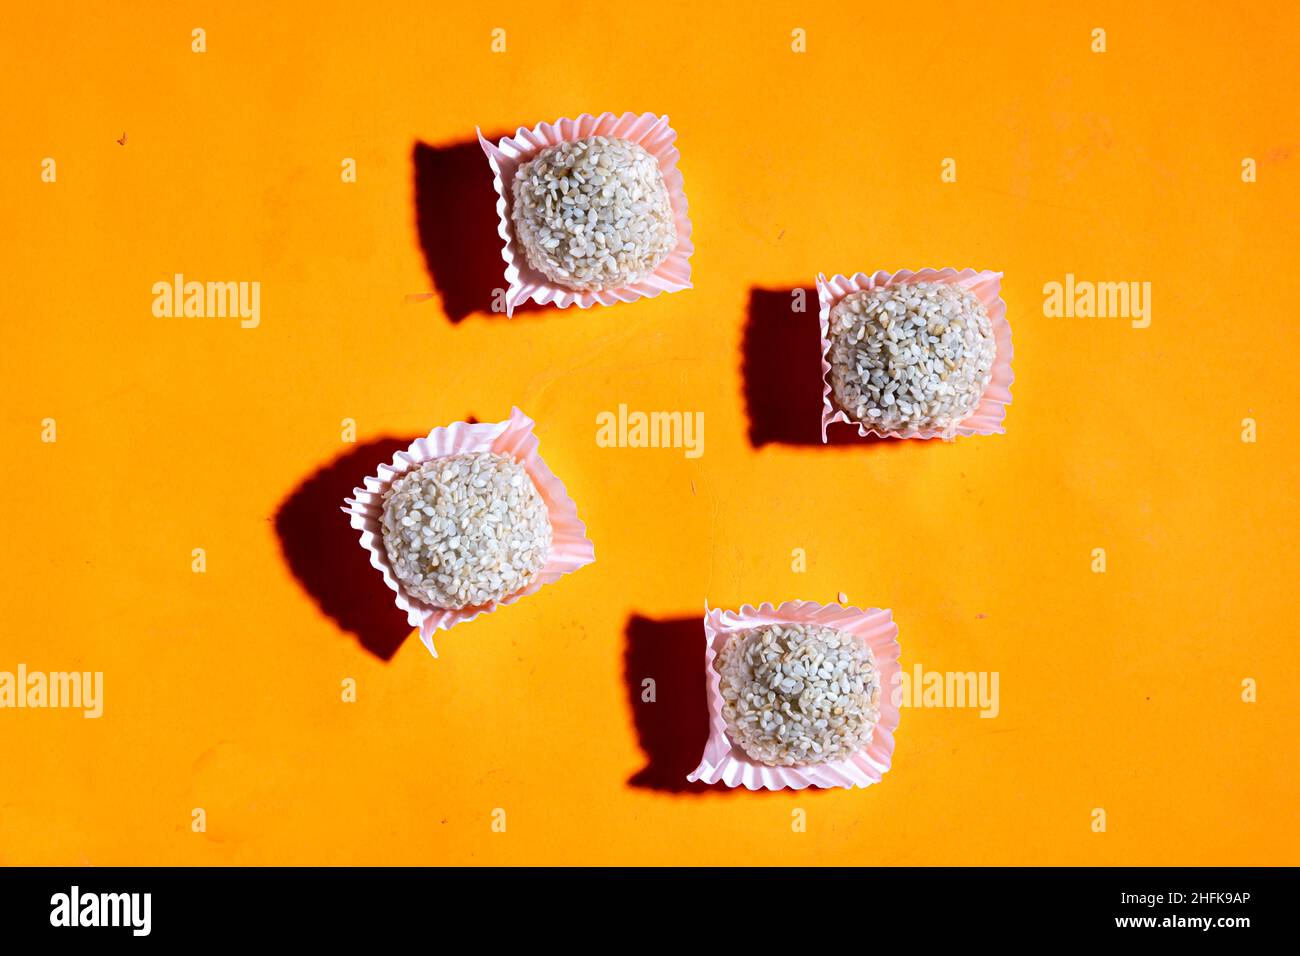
{"x": 727, "y": 764}
{"x": 570, "y": 547}
{"x": 987, "y": 287}
{"x": 654, "y": 135}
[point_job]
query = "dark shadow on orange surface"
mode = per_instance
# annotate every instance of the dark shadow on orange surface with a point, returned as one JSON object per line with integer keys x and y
{"x": 456, "y": 217}
{"x": 782, "y": 370}
{"x": 674, "y": 727}
{"x": 325, "y": 554}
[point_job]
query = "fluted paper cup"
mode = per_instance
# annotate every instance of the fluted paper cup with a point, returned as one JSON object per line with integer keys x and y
{"x": 570, "y": 547}
{"x": 726, "y": 763}
{"x": 987, "y": 287}
{"x": 656, "y": 137}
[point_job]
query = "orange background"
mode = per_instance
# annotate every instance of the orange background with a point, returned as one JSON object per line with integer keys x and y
{"x": 1119, "y": 690}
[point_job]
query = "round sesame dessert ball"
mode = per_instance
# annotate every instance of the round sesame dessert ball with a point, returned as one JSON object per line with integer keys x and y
{"x": 794, "y": 695}
{"x": 465, "y": 530}
{"x": 913, "y": 356}
{"x": 593, "y": 214}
